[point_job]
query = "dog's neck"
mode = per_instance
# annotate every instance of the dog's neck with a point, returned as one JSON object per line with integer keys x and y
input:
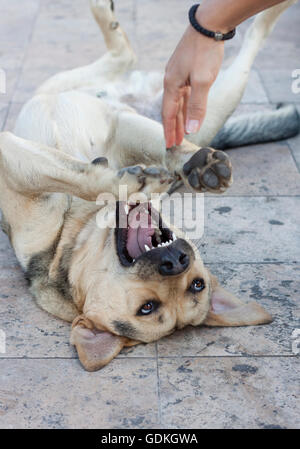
{"x": 89, "y": 258}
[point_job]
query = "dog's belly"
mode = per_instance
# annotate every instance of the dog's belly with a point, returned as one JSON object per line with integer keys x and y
{"x": 80, "y": 123}
{"x": 142, "y": 91}
{"x": 73, "y": 122}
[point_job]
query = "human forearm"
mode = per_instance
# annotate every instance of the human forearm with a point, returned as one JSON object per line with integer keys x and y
{"x": 224, "y": 15}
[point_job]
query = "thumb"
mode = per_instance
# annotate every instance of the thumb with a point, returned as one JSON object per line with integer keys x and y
{"x": 196, "y": 107}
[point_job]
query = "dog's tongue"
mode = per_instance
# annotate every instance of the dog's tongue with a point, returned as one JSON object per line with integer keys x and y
{"x": 140, "y": 231}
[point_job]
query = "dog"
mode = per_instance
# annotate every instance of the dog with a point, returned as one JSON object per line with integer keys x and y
{"x": 91, "y": 131}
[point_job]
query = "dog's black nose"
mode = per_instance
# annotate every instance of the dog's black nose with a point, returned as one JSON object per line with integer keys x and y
{"x": 173, "y": 261}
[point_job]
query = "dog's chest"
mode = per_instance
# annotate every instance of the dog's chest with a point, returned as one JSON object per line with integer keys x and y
{"x": 139, "y": 90}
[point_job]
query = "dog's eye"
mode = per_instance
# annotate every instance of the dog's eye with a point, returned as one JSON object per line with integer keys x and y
{"x": 197, "y": 285}
{"x": 148, "y": 308}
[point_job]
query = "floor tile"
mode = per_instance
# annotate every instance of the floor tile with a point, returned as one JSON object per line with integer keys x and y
{"x": 280, "y": 49}
{"x": 229, "y": 393}
{"x": 250, "y": 229}
{"x": 294, "y": 145}
{"x": 60, "y": 394}
{"x": 255, "y": 91}
{"x": 30, "y": 332}
{"x": 160, "y": 25}
{"x": 257, "y": 169}
{"x": 17, "y": 24}
{"x": 13, "y": 112}
{"x": 278, "y": 85}
{"x": 3, "y": 114}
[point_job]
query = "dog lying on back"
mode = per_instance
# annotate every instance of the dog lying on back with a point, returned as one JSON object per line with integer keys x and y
{"x": 90, "y": 132}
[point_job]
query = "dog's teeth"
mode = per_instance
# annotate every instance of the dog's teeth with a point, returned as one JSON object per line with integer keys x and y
{"x": 133, "y": 260}
{"x": 174, "y": 237}
{"x": 170, "y": 241}
{"x": 126, "y": 209}
{"x": 147, "y": 248}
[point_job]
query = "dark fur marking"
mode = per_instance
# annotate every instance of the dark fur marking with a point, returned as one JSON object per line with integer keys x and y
{"x": 39, "y": 264}
{"x": 61, "y": 281}
{"x": 100, "y": 161}
{"x": 125, "y": 329}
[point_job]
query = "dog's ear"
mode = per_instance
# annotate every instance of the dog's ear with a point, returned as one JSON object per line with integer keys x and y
{"x": 227, "y": 310}
{"x": 95, "y": 348}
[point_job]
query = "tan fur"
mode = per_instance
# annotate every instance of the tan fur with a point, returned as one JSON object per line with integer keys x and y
{"x": 48, "y": 189}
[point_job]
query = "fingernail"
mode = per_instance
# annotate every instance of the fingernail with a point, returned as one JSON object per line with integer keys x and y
{"x": 192, "y": 126}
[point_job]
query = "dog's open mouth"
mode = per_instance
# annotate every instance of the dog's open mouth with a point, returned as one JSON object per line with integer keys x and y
{"x": 139, "y": 229}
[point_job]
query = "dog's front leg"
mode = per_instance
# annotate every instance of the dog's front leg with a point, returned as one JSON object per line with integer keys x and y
{"x": 32, "y": 169}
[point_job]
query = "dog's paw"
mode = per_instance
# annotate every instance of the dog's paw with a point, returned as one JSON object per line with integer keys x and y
{"x": 102, "y": 5}
{"x": 208, "y": 170}
{"x": 146, "y": 179}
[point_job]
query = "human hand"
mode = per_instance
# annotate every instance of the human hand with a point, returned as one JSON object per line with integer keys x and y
{"x": 190, "y": 72}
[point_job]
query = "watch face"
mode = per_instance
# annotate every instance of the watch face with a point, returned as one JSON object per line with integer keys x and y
{"x": 218, "y": 36}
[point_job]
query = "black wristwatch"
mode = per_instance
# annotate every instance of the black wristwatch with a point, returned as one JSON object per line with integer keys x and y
{"x": 217, "y": 35}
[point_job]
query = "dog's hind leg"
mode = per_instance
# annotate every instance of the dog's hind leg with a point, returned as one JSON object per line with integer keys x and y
{"x": 119, "y": 58}
{"x": 230, "y": 85}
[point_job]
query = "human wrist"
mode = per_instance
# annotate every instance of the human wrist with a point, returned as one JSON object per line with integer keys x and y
{"x": 208, "y": 18}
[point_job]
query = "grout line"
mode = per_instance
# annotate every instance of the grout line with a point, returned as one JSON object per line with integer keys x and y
{"x": 72, "y": 358}
{"x": 6, "y": 115}
{"x": 253, "y": 196}
{"x": 135, "y": 26}
{"x": 294, "y": 262}
{"x": 158, "y": 385}
{"x": 263, "y": 84}
{"x": 293, "y": 156}
{"x": 245, "y": 356}
{"x": 167, "y": 357}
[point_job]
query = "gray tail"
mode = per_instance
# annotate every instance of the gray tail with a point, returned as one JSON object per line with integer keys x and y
{"x": 258, "y": 127}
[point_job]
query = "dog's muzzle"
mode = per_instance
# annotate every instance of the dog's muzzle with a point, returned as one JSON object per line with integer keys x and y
{"x": 170, "y": 260}
{"x": 173, "y": 259}
{"x": 145, "y": 240}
